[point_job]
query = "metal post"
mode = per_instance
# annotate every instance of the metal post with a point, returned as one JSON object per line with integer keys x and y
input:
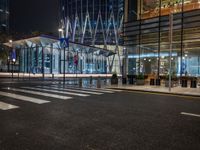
{"x": 19, "y": 62}
{"x": 12, "y": 69}
{"x": 170, "y": 49}
{"x": 43, "y": 71}
{"x": 64, "y": 68}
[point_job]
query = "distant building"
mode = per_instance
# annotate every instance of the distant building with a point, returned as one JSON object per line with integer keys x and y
{"x": 4, "y": 15}
{"x": 96, "y": 23}
{"x": 147, "y": 36}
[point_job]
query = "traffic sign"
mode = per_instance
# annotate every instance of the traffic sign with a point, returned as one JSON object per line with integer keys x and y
{"x": 13, "y": 55}
{"x": 64, "y": 42}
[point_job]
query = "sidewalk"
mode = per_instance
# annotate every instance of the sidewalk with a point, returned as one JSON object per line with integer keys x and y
{"x": 31, "y": 75}
{"x": 160, "y": 89}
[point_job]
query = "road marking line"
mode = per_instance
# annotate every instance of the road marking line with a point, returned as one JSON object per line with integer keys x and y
{"x": 190, "y": 114}
{"x": 80, "y": 91}
{"x": 23, "y": 98}
{"x": 5, "y": 106}
{"x": 56, "y": 91}
{"x": 41, "y": 93}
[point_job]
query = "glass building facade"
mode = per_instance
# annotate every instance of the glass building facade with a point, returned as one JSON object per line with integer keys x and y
{"x": 147, "y": 36}
{"x": 95, "y": 23}
{"x": 44, "y": 55}
{"x": 4, "y": 15}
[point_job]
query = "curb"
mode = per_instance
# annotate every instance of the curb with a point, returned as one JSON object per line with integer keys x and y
{"x": 157, "y": 92}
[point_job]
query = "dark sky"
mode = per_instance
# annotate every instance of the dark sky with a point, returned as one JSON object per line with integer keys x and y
{"x": 34, "y": 15}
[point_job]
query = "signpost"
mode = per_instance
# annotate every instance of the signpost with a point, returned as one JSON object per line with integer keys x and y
{"x": 76, "y": 63}
{"x": 13, "y": 59}
{"x": 64, "y": 43}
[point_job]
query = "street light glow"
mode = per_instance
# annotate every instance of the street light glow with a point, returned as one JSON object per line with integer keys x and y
{"x": 60, "y": 30}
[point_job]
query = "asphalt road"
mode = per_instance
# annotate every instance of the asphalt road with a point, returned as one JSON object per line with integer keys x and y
{"x": 94, "y": 119}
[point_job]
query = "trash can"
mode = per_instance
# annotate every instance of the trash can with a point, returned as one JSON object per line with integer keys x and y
{"x": 158, "y": 82}
{"x": 152, "y": 81}
{"x": 90, "y": 80}
{"x": 183, "y": 83}
{"x": 193, "y": 84}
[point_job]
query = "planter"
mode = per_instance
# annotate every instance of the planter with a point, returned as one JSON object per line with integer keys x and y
{"x": 193, "y": 84}
{"x": 158, "y": 82}
{"x": 152, "y": 81}
{"x": 139, "y": 82}
{"x": 114, "y": 80}
{"x": 130, "y": 79}
{"x": 184, "y": 83}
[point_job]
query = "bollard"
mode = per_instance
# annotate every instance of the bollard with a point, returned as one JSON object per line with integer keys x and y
{"x": 80, "y": 83}
{"x": 99, "y": 82}
{"x": 90, "y": 80}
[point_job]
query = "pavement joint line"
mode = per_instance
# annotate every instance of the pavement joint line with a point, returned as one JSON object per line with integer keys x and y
{"x": 190, "y": 114}
{"x": 161, "y": 93}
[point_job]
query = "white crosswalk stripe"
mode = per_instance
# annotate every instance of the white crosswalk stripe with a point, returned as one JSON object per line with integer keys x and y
{"x": 104, "y": 90}
{"x": 56, "y": 91}
{"x": 23, "y": 98}
{"x": 72, "y": 90}
{"x": 5, "y": 106}
{"x": 92, "y": 89}
{"x": 113, "y": 90}
{"x": 42, "y": 94}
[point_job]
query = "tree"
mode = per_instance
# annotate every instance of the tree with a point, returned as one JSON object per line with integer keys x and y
{"x": 4, "y": 51}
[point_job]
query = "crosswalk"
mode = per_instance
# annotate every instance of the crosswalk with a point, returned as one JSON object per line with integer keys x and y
{"x": 42, "y": 94}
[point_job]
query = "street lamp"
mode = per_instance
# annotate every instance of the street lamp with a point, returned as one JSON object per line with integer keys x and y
{"x": 13, "y": 63}
{"x": 60, "y": 30}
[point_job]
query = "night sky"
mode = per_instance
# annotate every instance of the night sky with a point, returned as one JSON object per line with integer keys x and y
{"x": 34, "y": 15}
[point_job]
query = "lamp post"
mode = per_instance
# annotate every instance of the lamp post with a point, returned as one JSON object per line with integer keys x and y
{"x": 170, "y": 46}
{"x": 11, "y": 45}
{"x": 8, "y": 64}
{"x": 61, "y": 35}
{"x": 13, "y": 63}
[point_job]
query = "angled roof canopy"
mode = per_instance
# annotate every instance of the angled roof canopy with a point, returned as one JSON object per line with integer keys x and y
{"x": 46, "y": 41}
